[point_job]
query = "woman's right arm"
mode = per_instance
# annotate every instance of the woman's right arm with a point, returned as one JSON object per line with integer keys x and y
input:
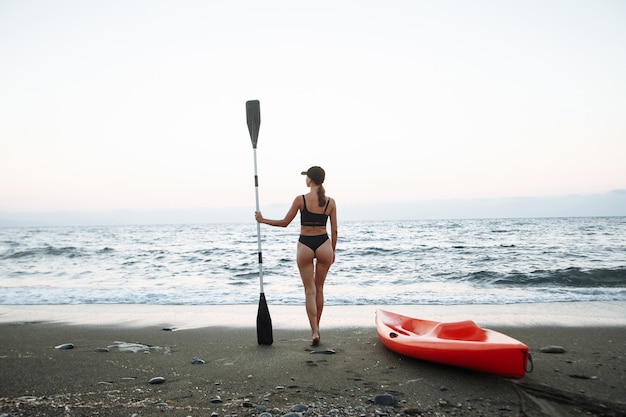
{"x": 285, "y": 221}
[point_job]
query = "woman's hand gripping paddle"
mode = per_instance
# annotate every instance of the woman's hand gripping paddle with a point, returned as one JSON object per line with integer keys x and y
{"x": 263, "y": 319}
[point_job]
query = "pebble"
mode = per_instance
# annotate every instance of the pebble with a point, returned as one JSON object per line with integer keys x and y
{"x": 552, "y": 349}
{"x": 101, "y": 350}
{"x": 216, "y": 400}
{"x": 299, "y": 408}
{"x": 197, "y": 361}
{"x": 65, "y": 346}
{"x": 384, "y": 399}
{"x": 292, "y": 414}
{"x": 27, "y": 398}
{"x": 157, "y": 380}
{"x": 265, "y": 415}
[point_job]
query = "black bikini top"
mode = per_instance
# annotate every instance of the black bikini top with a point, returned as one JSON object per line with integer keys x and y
{"x": 313, "y": 219}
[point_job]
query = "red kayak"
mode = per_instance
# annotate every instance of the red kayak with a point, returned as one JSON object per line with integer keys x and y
{"x": 460, "y": 343}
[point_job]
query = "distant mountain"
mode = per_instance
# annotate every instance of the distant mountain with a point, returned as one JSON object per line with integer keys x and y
{"x": 126, "y": 217}
{"x": 584, "y": 205}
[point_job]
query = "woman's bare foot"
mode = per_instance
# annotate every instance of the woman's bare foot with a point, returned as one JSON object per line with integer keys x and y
{"x": 315, "y": 341}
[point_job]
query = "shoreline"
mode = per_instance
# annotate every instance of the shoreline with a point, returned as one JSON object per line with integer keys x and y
{"x": 610, "y": 313}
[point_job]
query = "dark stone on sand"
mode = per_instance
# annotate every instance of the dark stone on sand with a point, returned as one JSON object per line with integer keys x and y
{"x": 293, "y": 415}
{"x": 384, "y": 399}
{"x": 157, "y": 380}
{"x": 101, "y": 350}
{"x": 197, "y": 361}
{"x": 325, "y": 351}
{"x": 216, "y": 400}
{"x": 265, "y": 415}
{"x": 168, "y": 329}
{"x": 65, "y": 346}
{"x": 582, "y": 376}
{"x": 298, "y": 408}
{"x": 552, "y": 349}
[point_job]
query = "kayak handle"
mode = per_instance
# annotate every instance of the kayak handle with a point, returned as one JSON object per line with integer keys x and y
{"x": 395, "y": 329}
{"x": 530, "y": 362}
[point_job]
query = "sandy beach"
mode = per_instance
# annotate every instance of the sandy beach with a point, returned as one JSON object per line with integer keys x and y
{"x": 213, "y": 370}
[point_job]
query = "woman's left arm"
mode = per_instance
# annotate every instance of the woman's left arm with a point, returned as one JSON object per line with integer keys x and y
{"x": 333, "y": 227}
{"x": 285, "y": 221}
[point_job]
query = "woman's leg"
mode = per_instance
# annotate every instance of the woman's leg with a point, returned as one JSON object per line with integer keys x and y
{"x": 324, "y": 256}
{"x": 305, "y": 256}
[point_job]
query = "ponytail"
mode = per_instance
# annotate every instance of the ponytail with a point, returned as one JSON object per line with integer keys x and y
{"x": 321, "y": 195}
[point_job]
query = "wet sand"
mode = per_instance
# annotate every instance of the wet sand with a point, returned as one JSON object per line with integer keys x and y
{"x": 238, "y": 377}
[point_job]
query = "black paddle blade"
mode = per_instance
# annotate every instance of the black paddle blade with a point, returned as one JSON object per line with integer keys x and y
{"x": 253, "y": 114}
{"x": 264, "y": 323}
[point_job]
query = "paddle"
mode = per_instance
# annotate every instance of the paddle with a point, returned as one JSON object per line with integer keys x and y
{"x": 263, "y": 319}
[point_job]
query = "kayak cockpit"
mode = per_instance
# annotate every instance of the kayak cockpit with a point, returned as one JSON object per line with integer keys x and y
{"x": 462, "y": 330}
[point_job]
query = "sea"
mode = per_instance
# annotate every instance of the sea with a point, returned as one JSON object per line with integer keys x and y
{"x": 426, "y": 262}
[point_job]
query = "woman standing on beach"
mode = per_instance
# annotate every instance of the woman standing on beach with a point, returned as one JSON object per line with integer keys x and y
{"x": 316, "y": 252}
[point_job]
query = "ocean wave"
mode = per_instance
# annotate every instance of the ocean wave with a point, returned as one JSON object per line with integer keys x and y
{"x": 457, "y": 262}
{"x": 574, "y": 277}
{"x": 69, "y": 252}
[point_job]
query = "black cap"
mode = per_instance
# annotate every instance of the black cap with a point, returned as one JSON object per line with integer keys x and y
{"x": 316, "y": 173}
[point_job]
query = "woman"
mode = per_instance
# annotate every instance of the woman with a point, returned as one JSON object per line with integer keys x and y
{"x": 316, "y": 252}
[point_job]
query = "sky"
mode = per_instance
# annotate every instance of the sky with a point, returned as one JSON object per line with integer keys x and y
{"x": 108, "y": 105}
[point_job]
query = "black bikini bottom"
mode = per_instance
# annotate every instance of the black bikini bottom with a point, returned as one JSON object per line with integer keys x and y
{"x": 313, "y": 242}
